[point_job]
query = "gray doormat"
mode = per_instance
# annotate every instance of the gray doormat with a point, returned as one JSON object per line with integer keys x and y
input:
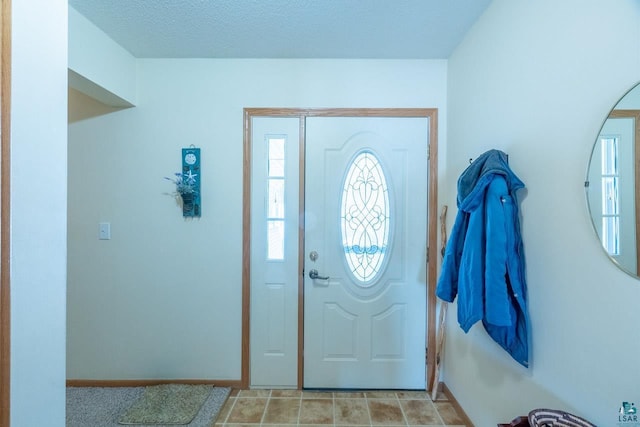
{"x": 104, "y": 406}
{"x": 167, "y": 404}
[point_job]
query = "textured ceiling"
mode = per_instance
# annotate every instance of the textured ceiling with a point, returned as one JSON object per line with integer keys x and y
{"x": 420, "y": 29}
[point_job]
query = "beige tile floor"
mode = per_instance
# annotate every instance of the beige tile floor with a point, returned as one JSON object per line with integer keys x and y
{"x": 272, "y": 408}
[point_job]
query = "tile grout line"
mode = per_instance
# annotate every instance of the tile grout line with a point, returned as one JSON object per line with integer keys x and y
{"x": 333, "y": 407}
{"x": 437, "y": 412}
{"x": 266, "y": 405}
{"x": 404, "y": 416}
{"x": 366, "y": 404}
{"x": 226, "y": 417}
{"x": 299, "y": 409}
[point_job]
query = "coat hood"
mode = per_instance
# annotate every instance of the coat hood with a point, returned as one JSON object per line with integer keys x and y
{"x": 479, "y": 174}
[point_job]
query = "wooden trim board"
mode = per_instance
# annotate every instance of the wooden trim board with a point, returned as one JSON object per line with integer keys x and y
{"x": 148, "y": 382}
{"x": 5, "y": 144}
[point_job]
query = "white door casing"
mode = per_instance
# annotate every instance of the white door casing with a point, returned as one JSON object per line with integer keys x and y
{"x": 262, "y": 318}
{"x": 357, "y": 334}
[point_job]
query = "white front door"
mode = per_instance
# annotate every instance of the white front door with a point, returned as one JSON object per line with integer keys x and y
{"x": 366, "y": 185}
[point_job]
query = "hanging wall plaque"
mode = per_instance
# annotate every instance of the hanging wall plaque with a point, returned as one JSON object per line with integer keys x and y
{"x": 191, "y": 176}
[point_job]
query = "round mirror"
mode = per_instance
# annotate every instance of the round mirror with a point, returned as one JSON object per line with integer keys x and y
{"x": 613, "y": 183}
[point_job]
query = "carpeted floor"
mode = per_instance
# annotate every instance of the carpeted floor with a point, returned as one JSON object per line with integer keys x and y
{"x": 103, "y": 406}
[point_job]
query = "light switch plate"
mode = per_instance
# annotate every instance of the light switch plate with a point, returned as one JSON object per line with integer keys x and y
{"x": 104, "y": 231}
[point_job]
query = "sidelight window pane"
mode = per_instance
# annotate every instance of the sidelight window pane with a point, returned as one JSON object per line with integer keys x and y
{"x": 276, "y": 157}
{"x": 609, "y": 156}
{"x": 611, "y": 234}
{"x": 276, "y": 198}
{"x": 610, "y": 203}
{"x": 275, "y": 239}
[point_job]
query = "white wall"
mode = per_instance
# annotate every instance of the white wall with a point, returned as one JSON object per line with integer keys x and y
{"x": 536, "y": 79}
{"x": 162, "y": 298}
{"x": 38, "y": 212}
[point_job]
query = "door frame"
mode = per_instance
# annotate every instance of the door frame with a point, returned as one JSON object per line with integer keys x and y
{"x": 5, "y": 143}
{"x": 432, "y": 221}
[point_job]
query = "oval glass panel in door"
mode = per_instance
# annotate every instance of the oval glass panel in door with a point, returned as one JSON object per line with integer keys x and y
{"x": 365, "y": 217}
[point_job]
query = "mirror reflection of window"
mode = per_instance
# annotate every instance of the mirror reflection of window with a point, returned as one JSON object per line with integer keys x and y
{"x": 610, "y": 199}
{"x": 613, "y": 183}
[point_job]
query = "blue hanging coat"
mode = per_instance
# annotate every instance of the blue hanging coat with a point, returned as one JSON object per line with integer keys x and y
{"x": 484, "y": 260}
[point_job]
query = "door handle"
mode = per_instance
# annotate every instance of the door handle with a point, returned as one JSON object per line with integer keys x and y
{"x": 313, "y": 274}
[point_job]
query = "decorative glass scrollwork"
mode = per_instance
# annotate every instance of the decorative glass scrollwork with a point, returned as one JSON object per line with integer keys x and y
{"x": 364, "y": 217}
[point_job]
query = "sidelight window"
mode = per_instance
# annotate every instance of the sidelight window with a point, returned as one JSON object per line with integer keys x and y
{"x": 275, "y": 201}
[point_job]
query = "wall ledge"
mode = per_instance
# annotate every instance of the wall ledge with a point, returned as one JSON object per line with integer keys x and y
{"x": 95, "y": 91}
